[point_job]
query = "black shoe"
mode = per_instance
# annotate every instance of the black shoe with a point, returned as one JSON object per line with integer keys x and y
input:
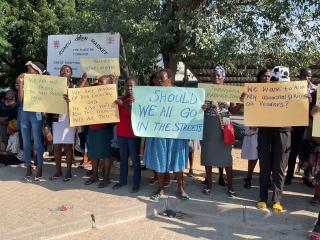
{"x": 307, "y": 182}
{"x": 135, "y": 189}
{"x": 288, "y": 180}
{"x": 222, "y": 182}
{"x": 247, "y": 183}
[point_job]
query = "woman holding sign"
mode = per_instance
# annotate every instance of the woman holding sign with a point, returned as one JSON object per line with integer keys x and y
{"x": 31, "y": 122}
{"x": 63, "y": 134}
{"x": 99, "y": 142}
{"x": 214, "y": 152}
{"x": 165, "y": 154}
{"x": 128, "y": 143}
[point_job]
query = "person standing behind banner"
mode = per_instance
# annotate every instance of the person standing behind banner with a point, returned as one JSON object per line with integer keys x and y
{"x": 63, "y": 134}
{"x": 299, "y": 146}
{"x": 166, "y": 154}
{"x": 250, "y": 141}
{"x": 214, "y": 152}
{"x": 99, "y": 141}
{"x": 128, "y": 143}
{"x": 31, "y": 122}
{"x": 273, "y": 153}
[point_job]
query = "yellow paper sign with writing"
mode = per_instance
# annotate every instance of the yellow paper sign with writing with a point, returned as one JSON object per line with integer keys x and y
{"x": 101, "y": 66}
{"x": 316, "y": 118}
{"x": 222, "y": 93}
{"x": 43, "y": 93}
{"x": 276, "y": 104}
{"x": 93, "y": 105}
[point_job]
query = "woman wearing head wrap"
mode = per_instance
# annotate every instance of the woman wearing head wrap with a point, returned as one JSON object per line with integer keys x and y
{"x": 166, "y": 154}
{"x": 273, "y": 153}
{"x": 214, "y": 152}
{"x": 31, "y": 122}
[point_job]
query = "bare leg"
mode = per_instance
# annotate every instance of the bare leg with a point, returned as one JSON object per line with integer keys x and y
{"x": 95, "y": 167}
{"x": 57, "y": 148}
{"x": 181, "y": 191}
{"x": 68, "y": 148}
{"x": 191, "y": 158}
{"x": 251, "y": 165}
{"x": 229, "y": 178}
{"x": 209, "y": 176}
{"x": 107, "y": 169}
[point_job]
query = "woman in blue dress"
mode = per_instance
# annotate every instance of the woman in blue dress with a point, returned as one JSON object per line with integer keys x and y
{"x": 165, "y": 154}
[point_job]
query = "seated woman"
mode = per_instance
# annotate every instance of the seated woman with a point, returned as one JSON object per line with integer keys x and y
{"x": 8, "y": 111}
{"x": 13, "y": 154}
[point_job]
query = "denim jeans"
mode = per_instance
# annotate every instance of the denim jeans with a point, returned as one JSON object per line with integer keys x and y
{"x": 31, "y": 122}
{"x": 129, "y": 145}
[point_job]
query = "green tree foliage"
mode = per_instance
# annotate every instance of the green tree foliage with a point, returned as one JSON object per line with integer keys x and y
{"x": 205, "y": 32}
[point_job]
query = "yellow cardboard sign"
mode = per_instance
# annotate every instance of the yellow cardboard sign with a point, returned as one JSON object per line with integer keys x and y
{"x": 93, "y": 105}
{"x": 101, "y": 66}
{"x": 276, "y": 104}
{"x": 222, "y": 93}
{"x": 43, "y": 93}
{"x": 316, "y": 118}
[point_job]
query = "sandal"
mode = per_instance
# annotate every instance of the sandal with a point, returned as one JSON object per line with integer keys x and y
{"x": 90, "y": 181}
{"x": 38, "y": 179}
{"x": 206, "y": 191}
{"x": 103, "y": 184}
{"x": 277, "y": 207}
{"x": 117, "y": 186}
{"x": 157, "y": 196}
{"x": 232, "y": 193}
{"x": 184, "y": 197}
{"x": 66, "y": 179}
{"x": 27, "y": 179}
{"x": 262, "y": 206}
{"x": 153, "y": 180}
{"x": 53, "y": 178}
{"x": 190, "y": 173}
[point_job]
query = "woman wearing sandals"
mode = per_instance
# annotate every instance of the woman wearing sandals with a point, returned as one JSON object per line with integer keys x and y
{"x": 63, "y": 134}
{"x": 99, "y": 141}
{"x": 127, "y": 141}
{"x": 31, "y": 122}
{"x": 165, "y": 154}
{"x": 250, "y": 141}
{"x": 214, "y": 152}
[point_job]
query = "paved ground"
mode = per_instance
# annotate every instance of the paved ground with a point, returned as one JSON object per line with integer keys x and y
{"x": 28, "y": 210}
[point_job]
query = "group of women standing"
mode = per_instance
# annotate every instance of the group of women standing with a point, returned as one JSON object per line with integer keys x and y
{"x": 271, "y": 145}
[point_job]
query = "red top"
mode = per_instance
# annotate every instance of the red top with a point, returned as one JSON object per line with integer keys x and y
{"x": 124, "y": 127}
{"x": 97, "y": 126}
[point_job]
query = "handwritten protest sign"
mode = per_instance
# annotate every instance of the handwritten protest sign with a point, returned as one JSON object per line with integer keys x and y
{"x": 222, "y": 93}
{"x": 316, "y": 118}
{"x": 44, "y": 93}
{"x": 101, "y": 66}
{"x": 276, "y": 104}
{"x": 93, "y": 105}
{"x": 168, "y": 112}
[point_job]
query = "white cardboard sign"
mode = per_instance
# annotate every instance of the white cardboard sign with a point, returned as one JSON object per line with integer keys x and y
{"x": 69, "y": 49}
